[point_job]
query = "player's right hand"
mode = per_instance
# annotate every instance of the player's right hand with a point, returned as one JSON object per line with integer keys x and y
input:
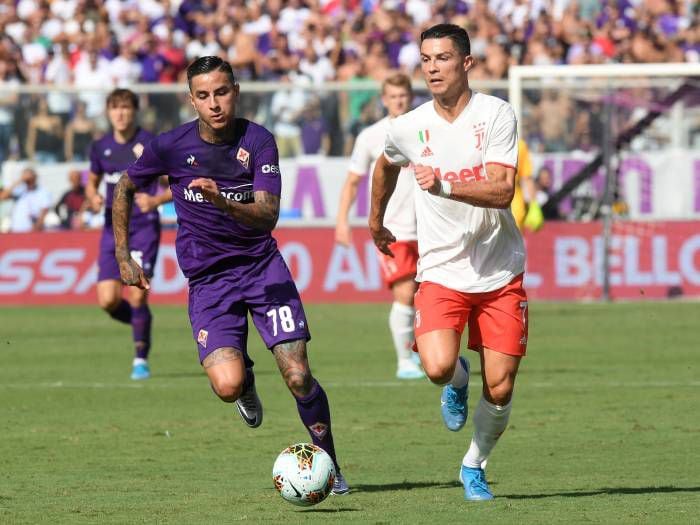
{"x": 343, "y": 235}
{"x": 145, "y": 202}
{"x": 382, "y": 239}
{"x": 426, "y": 178}
{"x": 132, "y": 274}
{"x": 96, "y": 202}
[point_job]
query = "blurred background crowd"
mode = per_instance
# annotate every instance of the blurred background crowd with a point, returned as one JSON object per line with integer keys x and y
{"x": 294, "y": 49}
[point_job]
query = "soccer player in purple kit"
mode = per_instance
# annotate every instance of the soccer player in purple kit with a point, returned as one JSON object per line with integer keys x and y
{"x": 109, "y": 157}
{"x": 225, "y": 179}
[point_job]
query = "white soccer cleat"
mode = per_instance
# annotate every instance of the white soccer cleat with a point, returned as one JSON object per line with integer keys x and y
{"x": 249, "y": 407}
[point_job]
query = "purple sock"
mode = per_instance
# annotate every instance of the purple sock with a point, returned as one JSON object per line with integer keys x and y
{"x": 122, "y": 312}
{"x": 316, "y": 416}
{"x": 141, "y": 330}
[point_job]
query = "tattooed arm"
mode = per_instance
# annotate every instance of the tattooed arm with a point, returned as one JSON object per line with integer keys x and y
{"x": 261, "y": 214}
{"x": 131, "y": 272}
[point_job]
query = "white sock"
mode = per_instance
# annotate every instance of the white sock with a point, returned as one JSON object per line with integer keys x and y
{"x": 490, "y": 421}
{"x": 139, "y": 361}
{"x": 461, "y": 376}
{"x": 401, "y": 319}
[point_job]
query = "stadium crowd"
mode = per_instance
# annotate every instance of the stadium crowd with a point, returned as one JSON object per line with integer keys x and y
{"x": 98, "y": 44}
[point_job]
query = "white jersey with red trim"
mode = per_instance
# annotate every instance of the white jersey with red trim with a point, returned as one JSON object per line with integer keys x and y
{"x": 463, "y": 247}
{"x": 400, "y": 216}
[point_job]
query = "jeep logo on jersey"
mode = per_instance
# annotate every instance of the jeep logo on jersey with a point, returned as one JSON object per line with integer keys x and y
{"x": 270, "y": 168}
{"x": 464, "y": 175}
{"x": 242, "y": 193}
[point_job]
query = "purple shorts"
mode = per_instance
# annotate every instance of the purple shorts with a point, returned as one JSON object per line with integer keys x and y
{"x": 143, "y": 243}
{"x": 219, "y": 305}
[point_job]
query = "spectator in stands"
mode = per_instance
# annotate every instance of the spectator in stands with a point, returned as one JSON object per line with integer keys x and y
{"x": 543, "y": 191}
{"x": 44, "y": 135}
{"x": 204, "y": 43}
{"x": 243, "y": 54}
{"x": 8, "y": 103}
{"x": 314, "y": 129}
{"x": 285, "y": 109}
{"x": 92, "y": 73}
{"x": 125, "y": 69}
{"x": 269, "y": 39}
{"x": 72, "y": 203}
{"x": 317, "y": 67}
{"x": 32, "y": 203}
{"x": 369, "y": 114}
{"x": 553, "y": 115}
{"x": 58, "y": 72}
{"x": 79, "y": 134}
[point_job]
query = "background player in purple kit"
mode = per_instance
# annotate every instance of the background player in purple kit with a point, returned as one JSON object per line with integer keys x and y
{"x": 225, "y": 180}
{"x": 109, "y": 157}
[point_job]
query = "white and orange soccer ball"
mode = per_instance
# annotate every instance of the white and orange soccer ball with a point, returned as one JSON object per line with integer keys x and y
{"x": 303, "y": 474}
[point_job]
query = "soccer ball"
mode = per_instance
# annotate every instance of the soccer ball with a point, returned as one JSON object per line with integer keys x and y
{"x": 303, "y": 474}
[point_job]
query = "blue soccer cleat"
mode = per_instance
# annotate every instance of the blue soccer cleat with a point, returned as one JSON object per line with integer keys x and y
{"x": 475, "y": 486}
{"x": 453, "y": 403}
{"x": 140, "y": 371}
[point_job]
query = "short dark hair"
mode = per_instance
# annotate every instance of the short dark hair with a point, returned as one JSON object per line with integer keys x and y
{"x": 123, "y": 95}
{"x": 457, "y": 34}
{"x": 206, "y": 65}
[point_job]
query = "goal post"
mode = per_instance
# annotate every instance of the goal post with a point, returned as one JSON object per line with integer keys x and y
{"x": 607, "y": 114}
{"x": 517, "y": 75}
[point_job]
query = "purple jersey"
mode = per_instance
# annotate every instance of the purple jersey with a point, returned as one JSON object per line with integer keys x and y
{"x": 109, "y": 159}
{"x": 208, "y": 239}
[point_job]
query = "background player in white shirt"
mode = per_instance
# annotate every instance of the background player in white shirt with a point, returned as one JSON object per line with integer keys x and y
{"x": 464, "y": 149}
{"x": 399, "y": 272}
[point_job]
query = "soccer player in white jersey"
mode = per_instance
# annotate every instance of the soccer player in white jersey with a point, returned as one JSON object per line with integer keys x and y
{"x": 464, "y": 148}
{"x": 399, "y": 271}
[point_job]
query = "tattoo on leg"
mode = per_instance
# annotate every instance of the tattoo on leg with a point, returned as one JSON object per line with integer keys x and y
{"x": 222, "y": 355}
{"x": 294, "y": 366}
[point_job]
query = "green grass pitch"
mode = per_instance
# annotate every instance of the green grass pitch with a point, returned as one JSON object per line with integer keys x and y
{"x": 604, "y": 429}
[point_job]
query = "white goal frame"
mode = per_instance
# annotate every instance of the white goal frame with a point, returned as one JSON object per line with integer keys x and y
{"x": 519, "y": 75}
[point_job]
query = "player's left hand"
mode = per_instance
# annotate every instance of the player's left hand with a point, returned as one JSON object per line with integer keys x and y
{"x": 426, "y": 178}
{"x": 210, "y": 191}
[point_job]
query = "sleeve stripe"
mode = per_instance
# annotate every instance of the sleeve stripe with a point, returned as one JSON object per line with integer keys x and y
{"x": 394, "y": 163}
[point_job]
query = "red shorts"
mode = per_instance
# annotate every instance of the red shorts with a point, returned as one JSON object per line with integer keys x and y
{"x": 402, "y": 264}
{"x": 497, "y": 320}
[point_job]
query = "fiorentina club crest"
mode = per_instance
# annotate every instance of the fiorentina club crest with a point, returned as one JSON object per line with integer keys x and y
{"x": 243, "y": 156}
{"x": 319, "y": 429}
{"x": 202, "y": 337}
{"x": 479, "y": 134}
{"x": 424, "y": 137}
{"x": 137, "y": 150}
